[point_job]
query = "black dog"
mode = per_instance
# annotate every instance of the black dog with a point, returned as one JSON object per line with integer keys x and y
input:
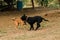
{"x": 32, "y": 20}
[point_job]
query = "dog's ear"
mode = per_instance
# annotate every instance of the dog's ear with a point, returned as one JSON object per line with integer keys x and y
{"x": 24, "y": 14}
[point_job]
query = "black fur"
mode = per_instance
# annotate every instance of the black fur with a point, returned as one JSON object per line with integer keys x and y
{"x": 32, "y": 20}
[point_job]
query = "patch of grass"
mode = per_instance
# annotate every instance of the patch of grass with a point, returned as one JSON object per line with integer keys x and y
{"x": 3, "y": 31}
{"x": 44, "y": 25}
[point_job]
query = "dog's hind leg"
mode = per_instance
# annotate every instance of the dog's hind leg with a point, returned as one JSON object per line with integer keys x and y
{"x": 38, "y": 25}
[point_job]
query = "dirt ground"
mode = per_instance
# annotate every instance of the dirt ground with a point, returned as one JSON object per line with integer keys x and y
{"x": 48, "y": 31}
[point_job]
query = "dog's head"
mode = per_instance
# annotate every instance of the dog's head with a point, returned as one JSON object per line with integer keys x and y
{"x": 24, "y": 17}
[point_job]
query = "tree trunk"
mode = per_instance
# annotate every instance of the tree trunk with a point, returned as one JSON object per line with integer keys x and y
{"x": 32, "y": 3}
{"x": 59, "y": 2}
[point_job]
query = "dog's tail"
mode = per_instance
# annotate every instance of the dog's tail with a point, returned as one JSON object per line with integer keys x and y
{"x": 44, "y": 19}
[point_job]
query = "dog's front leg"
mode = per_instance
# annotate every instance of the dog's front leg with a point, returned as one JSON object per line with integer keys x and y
{"x": 17, "y": 24}
{"x": 31, "y": 27}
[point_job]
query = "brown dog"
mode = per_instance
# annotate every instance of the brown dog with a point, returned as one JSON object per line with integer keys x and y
{"x": 18, "y": 21}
